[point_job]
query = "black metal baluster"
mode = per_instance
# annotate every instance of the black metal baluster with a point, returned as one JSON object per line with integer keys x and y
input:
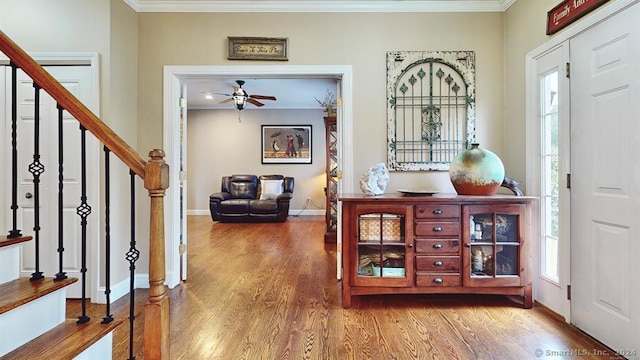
{"x": 14, "y": 233}
{"x": 36, "y": 168}
{"x": 132, "y": 256}
{"x": 61, "y": 275}
{"x": 107, "y": 231}
{"x": 83, "y": 211}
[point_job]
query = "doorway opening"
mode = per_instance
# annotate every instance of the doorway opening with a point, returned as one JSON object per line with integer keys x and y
{"x": 174, "y": 89}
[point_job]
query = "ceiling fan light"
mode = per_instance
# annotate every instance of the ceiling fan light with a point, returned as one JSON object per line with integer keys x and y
{"x": 240, "y": 100}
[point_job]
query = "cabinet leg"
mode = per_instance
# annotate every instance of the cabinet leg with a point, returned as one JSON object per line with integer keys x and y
{"x": 346, "y": 301}
{"x": 527, "y": 297}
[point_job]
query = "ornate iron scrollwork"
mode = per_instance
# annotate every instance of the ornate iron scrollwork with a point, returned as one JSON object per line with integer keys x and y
{"x": 430, "y": 108}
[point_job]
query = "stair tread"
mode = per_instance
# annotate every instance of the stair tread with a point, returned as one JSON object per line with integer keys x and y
{"x": 64, "y": 341}
{"x": 18, "y": 292}
{"x": 4, "y": 241}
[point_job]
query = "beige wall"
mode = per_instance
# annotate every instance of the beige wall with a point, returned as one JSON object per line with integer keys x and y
{"x": 360, "y": 40}
{"x": 218, "y": 145}
{"x": 53, "y": 26}
{"x": 524, "y": 29}
{"x": 60, "y": 26}
{"x": 121, "y": 114}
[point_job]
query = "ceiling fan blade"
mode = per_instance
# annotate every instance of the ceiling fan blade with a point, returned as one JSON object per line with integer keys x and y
{"x": 263, "y": 97}
{"x": 222, "y": 94}
{"x": 226, "y": 101}
{"x": 255, "y": 102}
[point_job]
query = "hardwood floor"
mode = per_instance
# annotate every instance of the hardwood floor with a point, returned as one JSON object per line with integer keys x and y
{"x": 268, "y": 291}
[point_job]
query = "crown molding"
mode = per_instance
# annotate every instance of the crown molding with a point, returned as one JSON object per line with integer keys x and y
{"x": 284, "y": 6}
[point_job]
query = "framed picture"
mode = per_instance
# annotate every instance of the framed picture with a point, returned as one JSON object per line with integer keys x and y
{"x": 284, "y": 144}
{"x": 257, "y": 48}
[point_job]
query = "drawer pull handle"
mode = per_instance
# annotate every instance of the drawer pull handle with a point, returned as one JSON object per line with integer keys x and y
{"x": 437, "y": 212}
{"x": 438, "y": 263}
{"x": 437, "y": 246}
{"x": 421, "y": 211}
{"x": 437, "y": 229}
{"x": 437, "y": 280}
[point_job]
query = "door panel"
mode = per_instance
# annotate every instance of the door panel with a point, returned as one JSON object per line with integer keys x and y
{"x": 76, "y": 79}
{"x": 605, "y": 88}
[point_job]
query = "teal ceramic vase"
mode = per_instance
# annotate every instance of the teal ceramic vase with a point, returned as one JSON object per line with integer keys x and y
{"x": 476, "y": 171}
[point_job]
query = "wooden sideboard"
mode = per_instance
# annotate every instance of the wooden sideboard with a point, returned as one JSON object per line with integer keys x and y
{"x": 444, "y": 243}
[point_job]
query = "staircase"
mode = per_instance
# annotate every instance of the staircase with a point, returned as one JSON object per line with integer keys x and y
{"x": 42, "y": 305}
{"x": 33, "y": 322}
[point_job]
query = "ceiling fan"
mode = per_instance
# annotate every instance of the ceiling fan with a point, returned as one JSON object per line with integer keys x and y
{"x": 240, "y": 97}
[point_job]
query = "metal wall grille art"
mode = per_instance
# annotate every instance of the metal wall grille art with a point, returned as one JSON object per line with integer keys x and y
{"x": 430, "y": 109}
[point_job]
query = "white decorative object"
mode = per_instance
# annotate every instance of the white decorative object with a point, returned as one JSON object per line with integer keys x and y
{"x": 271, "y": 189}
{"x": 472, "y": 228}
{"x": 375, "y": 180}
{"x": 476, "y": 260}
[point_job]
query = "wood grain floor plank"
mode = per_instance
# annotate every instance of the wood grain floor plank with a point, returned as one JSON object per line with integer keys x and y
{"x": 268, "y": 291}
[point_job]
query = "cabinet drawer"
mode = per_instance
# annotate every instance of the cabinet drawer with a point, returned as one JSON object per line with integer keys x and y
{"x": 438, "y": 263}
{"x": 438, "y": 246}
{"x": 431, "y": 280}
{"x": 437, "y": 228}
{"x": 437, "y": 211}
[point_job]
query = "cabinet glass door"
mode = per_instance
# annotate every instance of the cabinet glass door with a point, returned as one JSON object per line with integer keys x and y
{"x": 494, "y": 243}
{"x": 381, "y": 251}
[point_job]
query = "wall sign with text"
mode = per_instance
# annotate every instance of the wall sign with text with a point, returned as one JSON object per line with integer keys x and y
{"x": 569, "y": 11}
{"x": 257, "y": 48}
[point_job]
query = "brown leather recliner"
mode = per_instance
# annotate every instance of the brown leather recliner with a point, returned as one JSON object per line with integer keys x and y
{"x": 249, "y": 198}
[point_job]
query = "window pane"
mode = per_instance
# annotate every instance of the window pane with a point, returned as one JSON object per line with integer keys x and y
{"x": 551, "y": 255}
{"x": 550, "y": 176}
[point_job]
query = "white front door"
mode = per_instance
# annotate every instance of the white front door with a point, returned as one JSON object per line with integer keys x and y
{"x": 605, "y": 191}
{"x": 78, "y": 80}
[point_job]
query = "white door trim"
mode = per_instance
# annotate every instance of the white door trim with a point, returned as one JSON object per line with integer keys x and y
{"x": 171, "y": 144}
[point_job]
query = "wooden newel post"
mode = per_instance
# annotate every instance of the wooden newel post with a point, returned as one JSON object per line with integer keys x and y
{"x": 156, "y": 311}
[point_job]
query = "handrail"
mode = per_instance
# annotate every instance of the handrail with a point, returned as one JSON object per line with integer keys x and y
{"x": 76, "y": 108}
{"x": 155, "y": 174}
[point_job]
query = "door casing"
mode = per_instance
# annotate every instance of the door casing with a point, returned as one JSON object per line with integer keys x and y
{"x": 172, "y": 87}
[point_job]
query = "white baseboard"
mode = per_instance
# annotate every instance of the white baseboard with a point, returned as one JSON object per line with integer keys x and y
{"x": 308, "y": 212}
{"x": 141, "y": 281}
{"x": 291, "y": 212}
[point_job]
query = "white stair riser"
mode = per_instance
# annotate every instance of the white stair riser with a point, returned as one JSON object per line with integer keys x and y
{"x": 9, "y": 263}
{"x": 31, "y": 320}
{"x": 101, "y": 350}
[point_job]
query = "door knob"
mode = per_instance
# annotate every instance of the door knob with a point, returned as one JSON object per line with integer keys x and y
{"x": 28, "y": 195}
